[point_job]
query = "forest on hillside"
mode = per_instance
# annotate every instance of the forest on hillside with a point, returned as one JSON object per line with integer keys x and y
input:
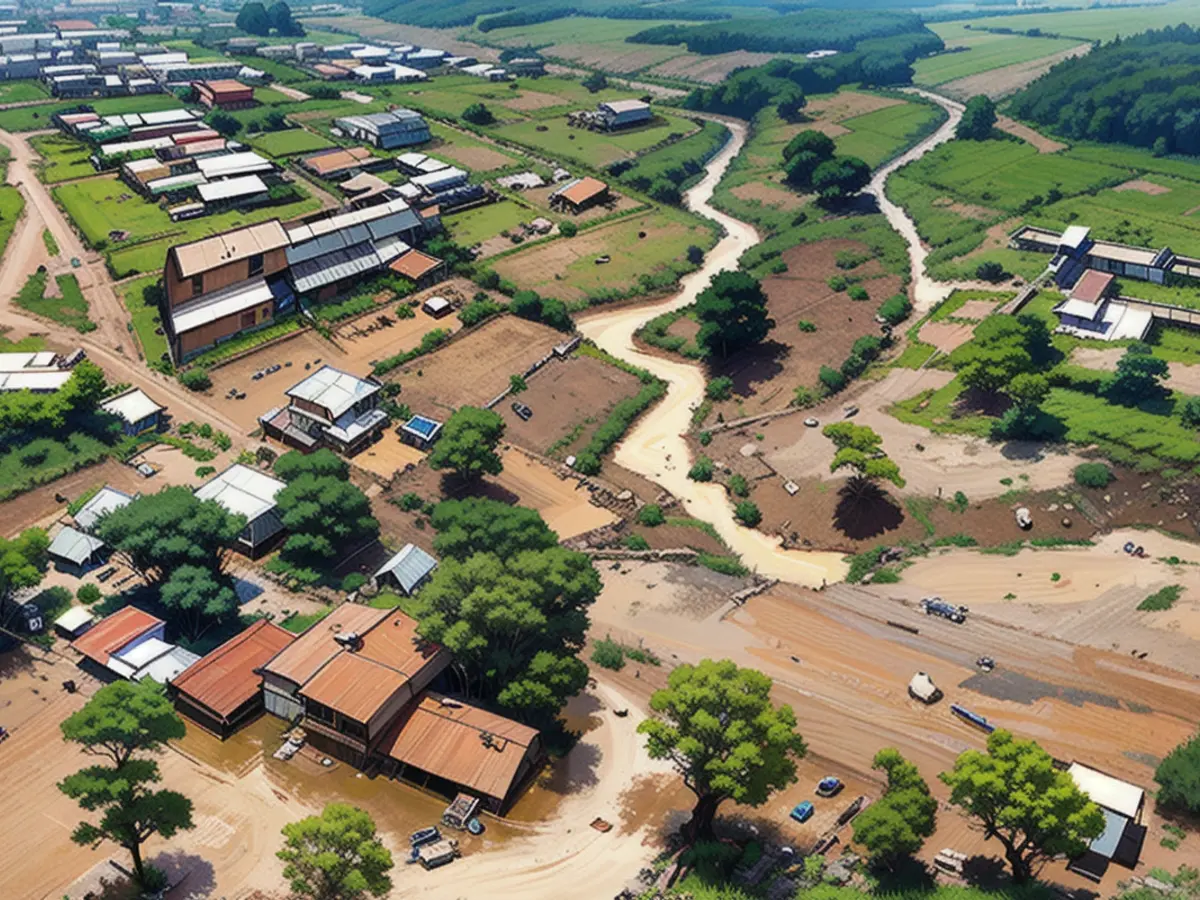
{"x": 798, "y": 32}
{"x": 1142, "y": 90}
{"x": 458, "y": 13}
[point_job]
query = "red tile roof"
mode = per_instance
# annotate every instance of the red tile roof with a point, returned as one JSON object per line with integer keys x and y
{"x": 446, "y": 737}
{"x": 109, "y": 635}
{"x": 1092, "y": 286}
{"x": 225, "y": 679}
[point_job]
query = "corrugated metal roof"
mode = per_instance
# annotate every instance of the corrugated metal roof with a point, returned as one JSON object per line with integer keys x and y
{"x": 583, "y": 190}
{"x": 333, "y": 389}
{"x": 245, "y": 186}
{"x": 114, "y": 632}
{"x": 409, "y": 567}
{"x": 221, "y": 249}
{"x": 33, "y": 381}
{"x": 107, "y": 500}
{"x": 1104, "y": 790}
{"x": 225, "y": 679}
{"x": 234, "y": 164}
{"x": 74, "y": 546}
{"x": 414, "y": 264}
{"x": 345, "y": 263}
{"x": 219, "y": 304}
{"x": 446, "y": 738}
{"x": 242, "y": 491}
{"x": 305, "y": 656}
{"x": 355, "y": 686}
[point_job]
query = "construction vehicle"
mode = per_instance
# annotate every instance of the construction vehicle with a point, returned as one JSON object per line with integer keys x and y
{"x": 936, "y": 606}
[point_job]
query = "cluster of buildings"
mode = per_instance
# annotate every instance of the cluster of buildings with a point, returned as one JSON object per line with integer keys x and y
{"x": 42, "y": 372}
{"x": 612, "y": 115}
{"x": 1086, "y": 270}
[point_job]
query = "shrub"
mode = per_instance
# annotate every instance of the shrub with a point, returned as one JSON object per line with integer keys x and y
{"x": 478, "y": 114}
{"x": 702, "y": 470}
{"x": 410, "y": 501}
{"x": 838, "y": 282}
{"x": 568, "y": 229}
{"x": 353, "y": 582}
{"x": 404, "y": 311}
{"x": 725, "y": 565}
{"x": 857, "y": 292}
{"x": 719, "y": 388}
{"x": 990, "y": 271}
{"x": 1093, "y": 475}
{"x": 1189, "y": 412}
{"x": 851, "y": 259}
{"x": 803, "y": 396}
{"x": 705, "y": 438}
{"x": 832, "y": 379}
{"x": 636, "y": 542}
{"x": 748, "y": 513}
{"x": 88, "y": 594}
{"x": 608, "y": 655}
{"x": 738, "y": 486}
{"x": 205, "y": 471}
{"x": 806, "y": 326}
{"x": 695, "y": 255}
{"x": 1162, "y": 599}
{"x": 651, "y": 515}
{"x": 195, "y": 380}
{"x": 895, "y": 309}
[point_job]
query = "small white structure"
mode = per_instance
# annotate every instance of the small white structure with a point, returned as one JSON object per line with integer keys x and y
{"x": 136, "y": 410}
{"x": 436, "y": 306}
{"x": 106, "y": 500}
{"x": 246, "y": 492}
{"x": 74, "y": 622}
{"x": 1123, "y": 836}
{"x": 922, "y": 688}
{"x": 75, "y": 548}
{"x": 153, "y": 658}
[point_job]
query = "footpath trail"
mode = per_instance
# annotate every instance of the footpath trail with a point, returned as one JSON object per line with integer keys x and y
{"x": 656, "y": 447}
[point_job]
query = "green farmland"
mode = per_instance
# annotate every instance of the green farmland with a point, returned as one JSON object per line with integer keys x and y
{"x": 65, "y": 158}
{"x": 878, "y": 136}
{"x": 595, "y": 149}
{"x": 1094, "y": 24}
{"x": 33, "y": 118}
{"x": 474, "y": 225}
{"x": 24, "y": 91}
{"x": 983, "y": 52}
{"x": 289, "y": 142}
{"x": 146, "y": 318}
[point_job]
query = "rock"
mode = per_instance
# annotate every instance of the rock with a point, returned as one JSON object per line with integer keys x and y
{"x": 1066, "y": 521}
{"x": 1068, "y": 506}
{"x": 1108, "y": 498}
{"x": 749, "y": 450}
{"x": 1146, "y": 486}
{"x": 1053, "y": 507}
{"x": 625, "y": 495}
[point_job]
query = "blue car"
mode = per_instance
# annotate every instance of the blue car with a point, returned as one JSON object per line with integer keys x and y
{"x": 828, "y": 787}
{"x": 803, "y": 811}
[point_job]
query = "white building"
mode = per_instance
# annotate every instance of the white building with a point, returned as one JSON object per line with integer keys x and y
{"x": 247, "y": 492}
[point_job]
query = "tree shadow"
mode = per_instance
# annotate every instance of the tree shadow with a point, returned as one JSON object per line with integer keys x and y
{"x": 457, "y": 488}
{"x": 575, "y": 771}
{"x": 905, "y": 876}
{"x": 192, "y": 875}
{"x": 975, "y": 402}
{"x": 866, "y": 514}
{"x": 987, "y": 872}
{"x": 751, "y": 366}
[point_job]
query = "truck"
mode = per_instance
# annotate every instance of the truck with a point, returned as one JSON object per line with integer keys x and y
{"x": 936, "y": 606}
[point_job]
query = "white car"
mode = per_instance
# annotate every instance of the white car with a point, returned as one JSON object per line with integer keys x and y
{"x": 811, "y": 422}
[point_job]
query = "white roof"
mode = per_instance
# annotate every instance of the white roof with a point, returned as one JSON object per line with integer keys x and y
{"x": 34, "y": 381}
{"x": 344, "y": 220}
{"x": 168, "y": 116}
{"x": 154, "y": 659}
{"x": 1074, "y": 236}
{"x": 168, "y": 666}
{"x": 232, "y": 187}
{"x": 436, "y": 304}
{"x": 73, "y": 545}
{"x": 332, "y": 389}
{"x": 106, "y": 500}
{"x": 1081, "y": 309}
{"x": 478, "y": 68}
{"x": 621, "y": 106}
{"x": 133, "y": 406}
{"x": 444, "y": 176}
{"x": 219, "y": 304}
{"x": 402, "y": 72}
{"x": 130, "y": 146}
{"x": 242, "y": 491}
{"x": 1111, "y": 793}
{"x": 20, "y": 362}
{"x": 233, "y": 164}
{"x": 74, "y": 619}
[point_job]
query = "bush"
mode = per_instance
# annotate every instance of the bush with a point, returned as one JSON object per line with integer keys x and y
{"x": 895, "y": 309}
{"x": 651, "y": 515}
{"x": 404, "y": 311}
{"x": 857, "y": 292}
{"x": 838, "y": 282}
{"x": 1093, "y": 475}
{"x": 568, "y": 229}
{"x": 1178, "y": 777}
{"x": 832, "y": 379}
{"x": 353, "y": 582}
{"x": 636, "y": 542}
{"x": 205, "y": 471}
{"x": 990, "y": 271}
{"x": 1161, "y": 600}
{"x": 88, "y": 594}
{"x": 806, "y": 326}
{"x": 748, "y": 513}
{"x": 695, "y": 255}
{"x": 478, "y": 311}
{"x": 195, "y": 380}
{"x": 1189, "y": 412}
{"x": 608, "y": 655}
{"x": 478, "y": 114}
{"x": 719, "y": 388}
{"x": 702, "y": 470}
{"x": 738, "y": 486}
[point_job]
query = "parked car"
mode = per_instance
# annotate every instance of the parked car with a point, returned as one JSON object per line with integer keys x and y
{"x": 811, "y": 422}
{"x": 936, "y": 606}
{"x": 802, "y": 811}
{"x": 522, "y": 410}
{"x": 850, "y": 412}
{"x": 829, "y": 786}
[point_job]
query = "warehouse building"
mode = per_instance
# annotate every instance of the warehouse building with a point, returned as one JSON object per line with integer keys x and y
{"x": 225, "y": 94}
{"x": 387, "y": 130}
{"x": 618, "y": 114}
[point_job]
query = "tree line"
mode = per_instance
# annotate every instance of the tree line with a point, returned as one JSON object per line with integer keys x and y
{"x": 1143, "y": 90}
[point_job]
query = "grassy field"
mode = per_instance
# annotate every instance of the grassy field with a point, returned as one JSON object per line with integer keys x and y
{"x": 595, "y": 149}
{"x": 33, "y": 118}
{"x": 99, "y": 206}
{"x": 146, "y": 318}
{"x": 12, "y": 204}
{"x": 984, "y": 52}
{"x": 1095, "y": 24}
{"x": 483, "y": 222}
{"x": 66, "y": 158}
{"x": 70, "y": 309}
{"x": 25, "y": 91}
{"x": 878, "y": 136}
{"x": 288, "y": 143}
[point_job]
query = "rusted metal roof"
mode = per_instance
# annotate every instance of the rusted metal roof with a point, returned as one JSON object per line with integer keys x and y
{"x": 461, "y": 743}
{"x": 304, "y": 657}
{"x": 109, "y": 635}
{"x": 355, "y": 686}
{"x": 226, "y": 678}
{"x": 337, "y": 160}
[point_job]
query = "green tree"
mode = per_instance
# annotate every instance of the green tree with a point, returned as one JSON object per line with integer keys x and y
{"x": 790, "y": 105}
{"x": 224, "y": 123}
{"x": 479, "y": 525}
{"x": 468, "y": 444}
{"x": 568, "y": 229}
{"x": 1138, "y": 378}
{"x": 119, "y": 721}
{"x": 719, "y": 388}
{"x": 595, "y": 82}
{"x": 896, "y": 825}
{"x": 336, "y": 855}
{"x": 837, "y": 180}
{"x": 478, "y": 114}
{"x": 651, "y": 515}
{"x": 252, "y": 18}
{"x": 517, "y": 384}
{"x": 895, "y": 309}
{"x": 1027, "y": 390}
{"x": 22, "y": 565}
{"x": 279, "y": 16}
{"x": 748, "y": 513}
{"x": 716, "y": 724}
{"x": 803, "y": 154}
{"x": 195, "y": 380}
{"x": 1178, "y": 777}
{"x": 1002, "y": 348}
{"x": 732, "y": 312}
{"x": 1189, "y": 412}
{"x": 197, "y": 599}
{"x": 157, "y": 533}
{"x": 1014, "y": 791}
{"x": 324, "y": 512}
{"x": 859, "y": 449}
{"x": 978, "y": 120}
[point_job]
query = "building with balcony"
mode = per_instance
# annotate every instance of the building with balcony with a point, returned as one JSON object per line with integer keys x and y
{"x": 330, "y": 408}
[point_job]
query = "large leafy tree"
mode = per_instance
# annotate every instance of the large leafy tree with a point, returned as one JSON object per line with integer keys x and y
{"x": 732, "y": 312}
{"x": 158, "y": 533}
{"x": 1002, "y": 348}
{"x": 803, "y": 154}
{"x": 198, "y": 598}
{"x": 253, "y": 19}
{"x": 121, "y": 721}
{"x": 837, "y": 180}
{"x": 336, "y": 855}
{"x": 1019, "y": 798}
{"x": 978, "y": 120}
{"x": 716, "y": 724}
{"x": 325, "y": 514}
{"x": 1027, "y": 391}
{"x": 1178, "y": 777}
{"x": 1138, "y": 378}
{"x": 124, "y": 718}
{"x": 468, "y": 443}
{"x": 22, "y": 563}
{"x": 510, "y": 604}
{"x": 896, "y": 825}
{"x": 279, "y": 17}
{"x": 859, "y": 449}
{"x": 53, "y": 412}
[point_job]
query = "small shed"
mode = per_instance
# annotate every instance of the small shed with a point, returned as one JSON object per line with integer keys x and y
{"x": 436, "y": 306}
{"x": 106, "y": 500}
{"x": 420, "y": 432}
{"x": 1123, "y": 836}
{"x": 74, "y": 549}
{"x": 136, "y": 410}
{"x": 74, "y": 622}
{"x": 922, "y": 688}
{"x": 407, "y": 570}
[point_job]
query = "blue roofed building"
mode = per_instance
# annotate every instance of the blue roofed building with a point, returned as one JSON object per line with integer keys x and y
{"x": 387, "y": 130}
{"x": 407, "y": 570}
